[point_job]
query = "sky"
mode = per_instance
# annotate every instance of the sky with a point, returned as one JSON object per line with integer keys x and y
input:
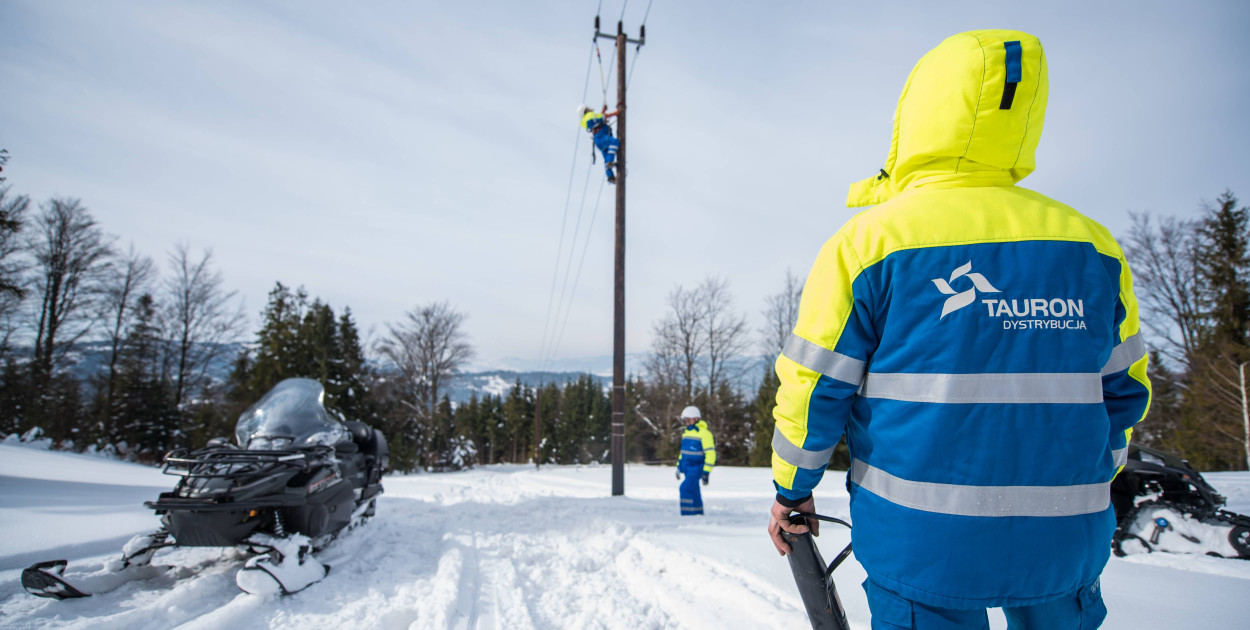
{"x": 393, "y": 154}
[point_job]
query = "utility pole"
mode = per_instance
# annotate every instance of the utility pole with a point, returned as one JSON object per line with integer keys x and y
{"x": 618, "y": 317}
{"x": 538, "y": 424}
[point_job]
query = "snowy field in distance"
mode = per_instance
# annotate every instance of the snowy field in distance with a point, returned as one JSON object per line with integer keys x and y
{"x": 510, "y": 547}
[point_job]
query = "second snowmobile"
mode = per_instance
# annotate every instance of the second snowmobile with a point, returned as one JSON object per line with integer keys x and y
{"x": 1163, "y": 504}
{"x": 295, "y": 480}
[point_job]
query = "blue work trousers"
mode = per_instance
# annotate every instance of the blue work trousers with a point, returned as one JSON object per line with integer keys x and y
{"x": 1082, "y": 610}
{"x": 691, "y": 498}
{"x": 608, "y": 145}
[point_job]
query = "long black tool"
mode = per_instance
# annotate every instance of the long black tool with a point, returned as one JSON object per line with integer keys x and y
{"x": 813, "y": 577}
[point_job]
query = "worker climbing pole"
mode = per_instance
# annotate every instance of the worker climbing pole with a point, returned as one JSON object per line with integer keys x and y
{"x": 618, "y": 318}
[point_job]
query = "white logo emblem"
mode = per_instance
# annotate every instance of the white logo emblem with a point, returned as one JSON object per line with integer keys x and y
{"x": 958, "y": 300}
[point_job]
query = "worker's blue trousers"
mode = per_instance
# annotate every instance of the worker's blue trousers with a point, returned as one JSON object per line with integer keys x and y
{"x": 1083, "y": 609}
{"x": 691, "y": 498}
{"x": 607, "y": 145}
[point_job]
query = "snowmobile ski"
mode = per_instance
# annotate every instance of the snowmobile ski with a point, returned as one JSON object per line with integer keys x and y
{"x": 813, "y": 577}
{"x": 43, "y": 579}
{"x": 48, "y": 579}
{"x": 289, "y": 567}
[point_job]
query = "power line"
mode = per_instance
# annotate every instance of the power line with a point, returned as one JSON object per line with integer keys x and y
{"x": 638, "y": 48}
{"x": 581, "y": 263}
{"x": 632, "y": 64}
{"x": 568, "y": 264}
{"x": 573, "y": 245}
{"x": 547, "y": 321}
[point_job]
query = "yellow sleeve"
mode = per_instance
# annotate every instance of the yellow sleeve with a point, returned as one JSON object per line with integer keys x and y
{"x": 820, "y": 369}
{"x": 709, "y": 451}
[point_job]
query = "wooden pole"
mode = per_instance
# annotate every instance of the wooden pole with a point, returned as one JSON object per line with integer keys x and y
{"x": 618, "y": 311}
{"x": 538, "y": 425}
{"x": 618, "y": 318}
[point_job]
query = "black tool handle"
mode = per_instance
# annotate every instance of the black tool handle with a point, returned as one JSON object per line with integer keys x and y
{"x": 812, "y": 576}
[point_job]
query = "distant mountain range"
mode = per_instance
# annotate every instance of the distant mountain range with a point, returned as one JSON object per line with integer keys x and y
{"x": 496, "y": 378}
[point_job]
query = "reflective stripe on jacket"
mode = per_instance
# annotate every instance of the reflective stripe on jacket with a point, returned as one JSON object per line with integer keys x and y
{"x": 978, "y": 344}
{"x": 697, "y": 445}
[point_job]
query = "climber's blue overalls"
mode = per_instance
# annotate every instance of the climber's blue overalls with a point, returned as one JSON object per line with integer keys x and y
{"x": 597, "y": 125}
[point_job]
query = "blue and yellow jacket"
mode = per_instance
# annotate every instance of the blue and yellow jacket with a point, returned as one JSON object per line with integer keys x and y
{"x": 976, "y": 342}
{"x": 697, "y": 446}
{"x": 592, "y": 121}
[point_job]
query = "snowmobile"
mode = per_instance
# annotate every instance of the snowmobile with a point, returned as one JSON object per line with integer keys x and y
{"x": 296, "y": 479}
{"x": 1163, "y": 504}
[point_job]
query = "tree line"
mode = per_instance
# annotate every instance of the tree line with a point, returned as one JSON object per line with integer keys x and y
{"x": 167, "y": 328}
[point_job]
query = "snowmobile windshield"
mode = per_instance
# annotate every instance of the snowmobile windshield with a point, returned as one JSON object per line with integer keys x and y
{"x": 291, "y": 415}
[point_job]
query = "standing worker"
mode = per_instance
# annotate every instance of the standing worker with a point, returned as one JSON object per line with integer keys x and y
{"x": 698, "y": 456}
{"x": 978, "y": 345}
{"x": 597, "y": 125}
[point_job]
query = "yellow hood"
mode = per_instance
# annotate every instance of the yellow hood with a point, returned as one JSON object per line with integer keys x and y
{"x": 960, "y": 120}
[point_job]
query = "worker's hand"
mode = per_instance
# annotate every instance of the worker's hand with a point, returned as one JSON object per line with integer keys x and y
{"x": 678, "y": 474}
{"x": 705, "y": 475}
{"x": 605, "y": 109}
{"x": 779, "y": 519}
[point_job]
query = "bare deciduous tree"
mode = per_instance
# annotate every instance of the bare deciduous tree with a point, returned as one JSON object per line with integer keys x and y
{"x": 69, "y": 252}
{"x": 781, "y": 312}
{"x": 679, "y": 341}
{"x": 427, "y": 347}
{"x": 694, "y": 344}
{"x": 725, "y": 331}
{"x": 198, "y": 320}
{"x": 1166, "y": 278}
{"x": 125, "y": 279}
{"x": 12, "y": 216}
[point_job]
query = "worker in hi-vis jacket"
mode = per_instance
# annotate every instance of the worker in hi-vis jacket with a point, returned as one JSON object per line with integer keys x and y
{"x": 978, "y": 345}
{"x": 597, "y": 124}
{"x": 698, "y": 456}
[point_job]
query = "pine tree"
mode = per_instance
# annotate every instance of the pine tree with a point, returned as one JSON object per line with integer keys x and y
{"x": 351, "y": 373}
{"x": 278, "y": 349}
{"x": 1224, "y": 268}
{"x": 760, "y": 450}
{"x": 302, "y": 340}
{"x": 1210, "y": 433}
{"x": 143, "y": 413}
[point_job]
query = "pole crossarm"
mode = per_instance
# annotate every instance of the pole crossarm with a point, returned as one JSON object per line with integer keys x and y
{"x": 640, "y": 41}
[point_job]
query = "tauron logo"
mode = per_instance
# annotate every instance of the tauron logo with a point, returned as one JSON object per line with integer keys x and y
{"x": 958, "y": 300}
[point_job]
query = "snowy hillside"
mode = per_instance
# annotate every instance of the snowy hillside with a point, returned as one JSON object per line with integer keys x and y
{"x": 509, "y": 547}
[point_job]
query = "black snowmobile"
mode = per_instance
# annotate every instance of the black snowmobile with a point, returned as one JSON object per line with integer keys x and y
{"x": 1163, "y": 504}
{"x": 297, "y": 479}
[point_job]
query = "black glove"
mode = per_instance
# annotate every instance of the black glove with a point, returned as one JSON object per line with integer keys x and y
{"x": 678, "y": 474}
{"x": 705, "y": 475}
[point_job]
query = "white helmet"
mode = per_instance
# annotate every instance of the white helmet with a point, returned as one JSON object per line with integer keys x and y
{"x": 691, "y": 412}
{"x": 581, "y": 110}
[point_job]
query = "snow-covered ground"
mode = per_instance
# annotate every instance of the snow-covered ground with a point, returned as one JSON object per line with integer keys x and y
{"x": 510, "y": 547}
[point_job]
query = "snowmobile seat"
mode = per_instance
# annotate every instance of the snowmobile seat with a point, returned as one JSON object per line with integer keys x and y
{"x": 361, "y": 433}
{"x": 371, "y": 442}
